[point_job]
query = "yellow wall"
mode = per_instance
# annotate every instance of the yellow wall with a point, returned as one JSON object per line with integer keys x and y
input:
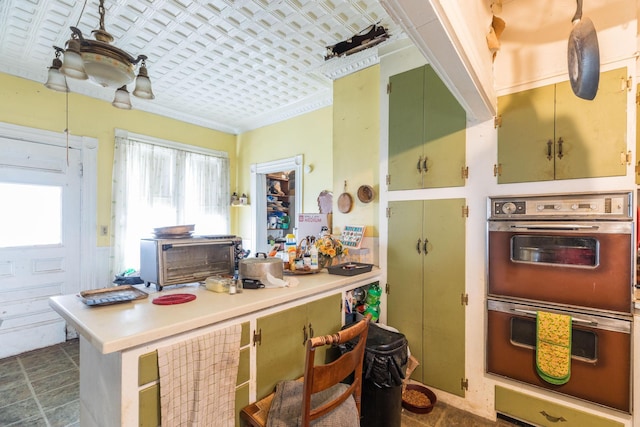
{"x": 341, "y": 142}
{"x": 29, "y": 103}
{"x": 356, "y": 146}
{"x": 309, "y": 135}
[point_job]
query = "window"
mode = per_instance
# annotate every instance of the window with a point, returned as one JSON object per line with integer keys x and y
{"x": 26, "y": 214}
{"x": 159, "y": 184}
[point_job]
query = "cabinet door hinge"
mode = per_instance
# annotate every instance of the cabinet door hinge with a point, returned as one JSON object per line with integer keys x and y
{"x": 465, "y": 172}
{"x": 81, "y": 169}
{"x": 625, "y": 158}
{"x": 386, "y": 289}
{"x": 388, "y": 88}
{"x": 638, "y": 169}
{"x": 638, "y": 96}
{"x": 388, "y": 212}
{"x": 465, "y": 211}
{"x": 464, "y": 299}
{"x": 464, "y": 384}
{"x": 497, "y": 122}
{"x": 497, "y": 169}
{"x": 388, "y": 179}
{"x": 627, "y": 84}
{"x": 257, "y": 337}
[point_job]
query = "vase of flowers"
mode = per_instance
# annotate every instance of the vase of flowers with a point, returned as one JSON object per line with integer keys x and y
{"x": 329, "y": 248}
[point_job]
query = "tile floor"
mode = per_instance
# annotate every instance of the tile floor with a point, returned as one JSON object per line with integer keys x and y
{"x": 41, "y": 388}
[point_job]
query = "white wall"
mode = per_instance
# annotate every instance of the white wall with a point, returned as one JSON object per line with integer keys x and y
{"x": 534, "y": 42}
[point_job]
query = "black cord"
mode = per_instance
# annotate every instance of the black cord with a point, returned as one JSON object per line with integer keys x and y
{"x": 81, "y": 12}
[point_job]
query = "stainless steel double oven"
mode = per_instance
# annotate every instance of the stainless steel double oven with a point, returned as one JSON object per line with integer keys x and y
{"x": 569, "y": 254}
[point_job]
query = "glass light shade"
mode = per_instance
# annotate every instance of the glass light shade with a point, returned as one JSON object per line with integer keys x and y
{"x": 106, "y": 71}
{"x": 143, "y": 85}
{"x": 73, "y": 65}
{"x": 122, "y": 99}
{"x": 56, "y": 80}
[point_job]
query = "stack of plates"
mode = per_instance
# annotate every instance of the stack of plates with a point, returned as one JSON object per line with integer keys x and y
{"x": 174, "y": 232}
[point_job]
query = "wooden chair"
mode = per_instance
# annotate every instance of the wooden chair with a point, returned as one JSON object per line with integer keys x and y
{"x": 318, "y": 379}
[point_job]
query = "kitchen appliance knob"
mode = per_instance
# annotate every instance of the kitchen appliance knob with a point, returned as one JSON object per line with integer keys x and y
{"x": 557, "y": 207}
{"x": 574, "y": 206}
{"x": 509, "y": 208}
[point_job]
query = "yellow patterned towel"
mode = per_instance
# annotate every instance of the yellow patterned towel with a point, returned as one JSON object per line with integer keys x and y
{"x": 553, "y": 347}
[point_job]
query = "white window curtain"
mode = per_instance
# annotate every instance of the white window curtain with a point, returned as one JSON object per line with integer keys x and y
{"x": 159, "y": 184}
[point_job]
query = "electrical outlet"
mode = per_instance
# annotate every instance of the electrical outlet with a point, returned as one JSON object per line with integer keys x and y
{"x": 104, "y": 230}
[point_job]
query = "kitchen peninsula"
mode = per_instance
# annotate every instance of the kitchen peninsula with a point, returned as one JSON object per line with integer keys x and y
{"x": 118, "y": 363}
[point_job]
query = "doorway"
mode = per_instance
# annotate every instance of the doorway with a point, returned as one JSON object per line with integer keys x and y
{"x": 279, "y": 173}
{"x": 47, "y": 232}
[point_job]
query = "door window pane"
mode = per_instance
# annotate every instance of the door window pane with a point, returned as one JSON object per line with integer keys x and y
{"x": 31, "y": 215}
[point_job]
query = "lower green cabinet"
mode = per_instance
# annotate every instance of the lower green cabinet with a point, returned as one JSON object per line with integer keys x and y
{"x": 544, "y": 413}
{"x": 280, "y": 348}
{"x": 149, "y": 406}
{"x": 426, "y": 287}
{"x": 242, "y": 400}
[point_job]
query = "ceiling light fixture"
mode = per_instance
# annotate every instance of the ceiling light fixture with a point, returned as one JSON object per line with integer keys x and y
{"x": 101, "y": 62}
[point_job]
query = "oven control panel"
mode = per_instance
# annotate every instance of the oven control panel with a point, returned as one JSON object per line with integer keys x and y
{"x": 596, "y": 205}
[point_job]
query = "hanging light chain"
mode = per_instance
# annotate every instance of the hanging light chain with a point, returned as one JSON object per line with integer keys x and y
{"x": 101, "y": 11}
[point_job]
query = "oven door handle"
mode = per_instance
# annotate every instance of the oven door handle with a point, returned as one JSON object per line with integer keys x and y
{"x": 555, "y": 227}
{"x": 573, "y": 319}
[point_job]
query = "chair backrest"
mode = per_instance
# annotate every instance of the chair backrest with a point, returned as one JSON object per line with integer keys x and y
{"x": 321, "y": 377}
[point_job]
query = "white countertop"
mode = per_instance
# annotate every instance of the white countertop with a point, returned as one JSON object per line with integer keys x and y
{"x": 118, "y": 327}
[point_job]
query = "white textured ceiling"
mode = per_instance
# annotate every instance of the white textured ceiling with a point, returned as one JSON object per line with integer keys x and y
{"x": 224, "y": 64}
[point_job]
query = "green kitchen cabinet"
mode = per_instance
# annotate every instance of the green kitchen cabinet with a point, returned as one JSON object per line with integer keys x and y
{"x": 548, "y": 133}
{"x": 427, "y": 132}
{"x": 426, "y": 287}
{"x": 542, "y": 412}
{"x": 280, "y": 348}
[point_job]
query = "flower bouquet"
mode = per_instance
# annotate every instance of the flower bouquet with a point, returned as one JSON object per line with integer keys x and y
{"x": 328, "y": 249}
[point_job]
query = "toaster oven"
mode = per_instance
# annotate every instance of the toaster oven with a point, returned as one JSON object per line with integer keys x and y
{"x": 166, "y": 262}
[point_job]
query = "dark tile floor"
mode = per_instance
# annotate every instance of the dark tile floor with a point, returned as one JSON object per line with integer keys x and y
{"x": 444, "y": 415}
{"x": 41, "y": 388}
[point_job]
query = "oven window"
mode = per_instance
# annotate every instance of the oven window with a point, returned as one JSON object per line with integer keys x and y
{"x": 560, "y": 250}
{"x": 584, "y": 344}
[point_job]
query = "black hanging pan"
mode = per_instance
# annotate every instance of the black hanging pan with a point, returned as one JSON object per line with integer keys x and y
{"x": 583, "y": 56}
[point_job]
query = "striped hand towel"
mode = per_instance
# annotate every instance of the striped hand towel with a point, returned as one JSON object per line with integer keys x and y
{"x": 198, "y": 380}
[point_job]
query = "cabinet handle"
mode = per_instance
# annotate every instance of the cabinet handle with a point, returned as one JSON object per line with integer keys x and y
{"x": 424, "y": 165}
{"x": 418, "y": 246}
{"x": 424, "y": 246}
{"x": 560, "y": 141}
{"x": 304, "y": 334}
{"x": 418, "y": 166}
{"x": 311, "y": 333}
{"x": 551, "y": 418}
{"x": 549, "y": 150}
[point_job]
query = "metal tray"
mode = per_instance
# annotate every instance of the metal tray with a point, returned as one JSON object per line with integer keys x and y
{"x": 350, "y": 268}
{"x": 112, "y": 295}
{"x": 297, "y": 272}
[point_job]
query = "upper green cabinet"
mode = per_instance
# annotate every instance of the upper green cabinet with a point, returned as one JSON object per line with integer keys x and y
{"x": 548, "y": 133}
{"x": 427, "y": 132}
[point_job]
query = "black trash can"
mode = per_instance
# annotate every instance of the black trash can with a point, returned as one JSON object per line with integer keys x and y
{"x": 385, "y": 363}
